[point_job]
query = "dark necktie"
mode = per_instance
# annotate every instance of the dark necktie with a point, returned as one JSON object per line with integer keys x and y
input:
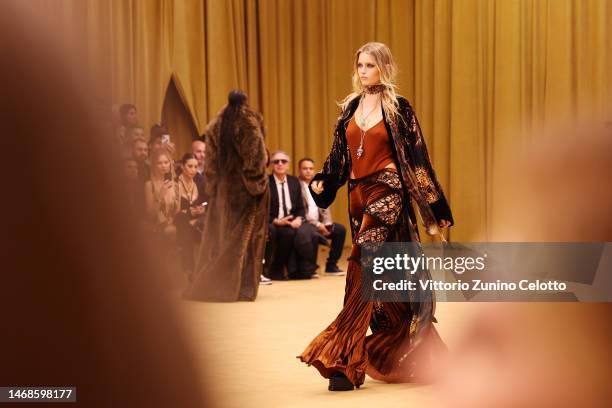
{"x": 283, "y": 199}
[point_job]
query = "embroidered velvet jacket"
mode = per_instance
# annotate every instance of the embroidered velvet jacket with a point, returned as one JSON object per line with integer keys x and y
{"x": 411, "y": 159}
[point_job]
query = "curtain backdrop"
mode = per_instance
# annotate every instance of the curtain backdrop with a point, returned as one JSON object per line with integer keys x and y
{"x": 485, "y": 77}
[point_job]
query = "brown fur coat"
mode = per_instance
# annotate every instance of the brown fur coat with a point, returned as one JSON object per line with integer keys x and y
{"x": 229, "y": 264}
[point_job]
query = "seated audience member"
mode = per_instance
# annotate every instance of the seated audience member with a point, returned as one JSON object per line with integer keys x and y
{"x": 140, "y": 154}
{"x": 289, "y": 243}
{"x": 161, "y": 196}
{"x": 127, "y": 118}
{"x": 130, "y": 173}
{"x": 135, "y": 132}
{"x": 320, "y": 221}
{"x": 131, "y": 134}
{"x": 128, "y": 115}
{"x": 130, "y": 170}
{"x": 190, "y": 212}
{"x": 198, "y": 149}
{"x": 159, "y": 137}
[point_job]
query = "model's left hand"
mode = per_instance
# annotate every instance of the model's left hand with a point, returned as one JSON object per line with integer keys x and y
{"x": 317, "y": 186}
{"x": 444, "y": 223}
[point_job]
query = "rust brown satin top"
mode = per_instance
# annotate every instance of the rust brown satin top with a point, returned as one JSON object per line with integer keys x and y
{"x": 376, "y": 148}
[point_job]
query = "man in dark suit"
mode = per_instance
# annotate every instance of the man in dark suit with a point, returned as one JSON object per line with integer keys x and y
{"x": 286, "y": 225}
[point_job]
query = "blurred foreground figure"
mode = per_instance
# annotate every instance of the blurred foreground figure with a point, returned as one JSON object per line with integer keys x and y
{"x": 543, "y": 354}
{"x": 79, "y": 303}
{"x": 235, "y": 223}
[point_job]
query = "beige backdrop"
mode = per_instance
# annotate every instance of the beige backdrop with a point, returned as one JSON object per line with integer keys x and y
{"x": 485, "y": 77}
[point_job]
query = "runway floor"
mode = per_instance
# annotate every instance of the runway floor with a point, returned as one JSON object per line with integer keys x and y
{"x": 248, "y": 350}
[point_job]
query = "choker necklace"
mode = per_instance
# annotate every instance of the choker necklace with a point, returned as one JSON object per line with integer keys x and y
{"x": 374, "y": 89}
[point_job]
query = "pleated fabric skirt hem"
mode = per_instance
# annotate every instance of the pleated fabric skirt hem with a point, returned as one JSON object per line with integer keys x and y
{"x": 327, "y": 369}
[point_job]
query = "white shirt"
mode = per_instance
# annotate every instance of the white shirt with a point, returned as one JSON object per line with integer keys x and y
{"x": 280, "y": 189}
{"x": 312, "y": 213}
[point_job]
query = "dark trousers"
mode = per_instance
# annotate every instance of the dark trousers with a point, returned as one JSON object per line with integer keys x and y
{"x": 278, "y": 250}
{"x": 305, "y": 254}
{"x": 187, "y": 237}
{"x": 290, "y": 248}
{"x": 337, "y": 236}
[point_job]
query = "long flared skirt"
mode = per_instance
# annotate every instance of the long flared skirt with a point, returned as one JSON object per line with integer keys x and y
{"x": 404, "y": 341}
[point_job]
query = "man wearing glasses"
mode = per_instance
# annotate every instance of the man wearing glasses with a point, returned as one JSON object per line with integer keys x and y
{"x": 289, "y": 244}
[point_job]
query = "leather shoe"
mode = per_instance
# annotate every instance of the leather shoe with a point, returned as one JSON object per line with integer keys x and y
{"x": 333, "y": 269}
{"x": 339, "y": 382}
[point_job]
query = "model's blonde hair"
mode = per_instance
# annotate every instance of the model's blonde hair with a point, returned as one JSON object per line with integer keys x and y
{"x": 388, "y": 72}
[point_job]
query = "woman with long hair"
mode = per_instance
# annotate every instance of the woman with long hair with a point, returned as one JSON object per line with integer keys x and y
{"x": 190, "y": 211}
{"x": 161, "y": 195}
{"x": 235, "y": 224}
{"x": 379, "y": 149}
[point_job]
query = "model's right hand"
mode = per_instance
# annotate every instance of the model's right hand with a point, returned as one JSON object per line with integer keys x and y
{"x": 317, "y": 186}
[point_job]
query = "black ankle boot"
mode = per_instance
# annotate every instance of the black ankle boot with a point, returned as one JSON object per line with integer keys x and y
{"x": 339, "y": 382}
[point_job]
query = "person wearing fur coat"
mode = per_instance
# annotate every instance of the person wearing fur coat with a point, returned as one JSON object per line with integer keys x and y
{"x": 229, "y": 262}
